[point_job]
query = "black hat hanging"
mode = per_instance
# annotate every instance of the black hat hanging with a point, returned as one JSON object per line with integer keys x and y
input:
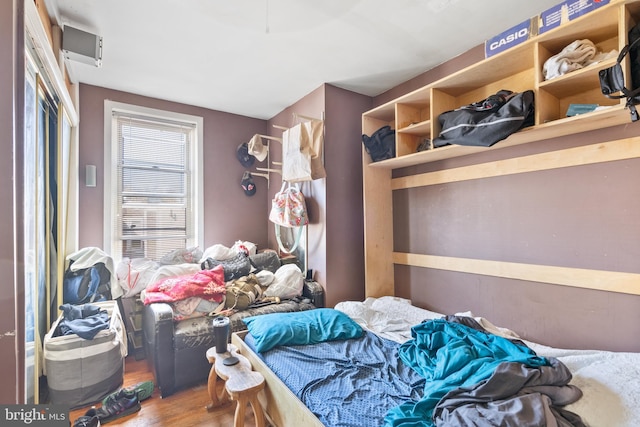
{"x": 247, "y": 184}
{"x": 242, "y": 153}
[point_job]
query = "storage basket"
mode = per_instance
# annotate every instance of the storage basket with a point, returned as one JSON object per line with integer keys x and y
{"x": 81, "y": 371}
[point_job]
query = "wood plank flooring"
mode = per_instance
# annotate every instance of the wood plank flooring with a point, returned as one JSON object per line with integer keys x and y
{"x": 185, "y": 408}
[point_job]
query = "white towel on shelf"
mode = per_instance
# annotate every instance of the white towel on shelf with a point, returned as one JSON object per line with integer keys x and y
{"x": 576, "y": 55}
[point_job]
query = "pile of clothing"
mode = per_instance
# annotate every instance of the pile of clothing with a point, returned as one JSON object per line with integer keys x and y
{"x": 84, "y": 320}
{"x": 217, "y": 280}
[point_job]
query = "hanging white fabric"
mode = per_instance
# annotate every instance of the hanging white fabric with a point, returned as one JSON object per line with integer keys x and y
{"x": 296, "y": 156}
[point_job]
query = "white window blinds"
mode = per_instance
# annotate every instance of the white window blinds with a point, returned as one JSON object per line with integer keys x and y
{"x": 154, "y": 203}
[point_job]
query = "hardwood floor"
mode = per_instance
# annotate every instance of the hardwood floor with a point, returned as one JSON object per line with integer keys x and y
{"x": 186, "y": 408}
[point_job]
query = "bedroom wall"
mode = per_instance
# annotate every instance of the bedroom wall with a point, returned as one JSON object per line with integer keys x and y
{"x": 334, "y": 204}
{"x": 230, "y": 215}
{"x": 578, "y": 217}
{"x": 344, "y": 222}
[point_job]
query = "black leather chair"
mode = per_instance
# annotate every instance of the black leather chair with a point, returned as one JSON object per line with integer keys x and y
{"x": 176, "y": 351}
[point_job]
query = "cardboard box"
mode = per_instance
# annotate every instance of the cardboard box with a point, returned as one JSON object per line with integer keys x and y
{"x": 567, "y": 11}
{"x": 511, "y": 37}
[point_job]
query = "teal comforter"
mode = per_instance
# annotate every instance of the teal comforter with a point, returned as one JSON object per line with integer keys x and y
{"x": 450, "y": 356}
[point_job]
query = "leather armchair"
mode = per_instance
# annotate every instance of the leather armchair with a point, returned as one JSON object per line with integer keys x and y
{"x": 176, "y": 351}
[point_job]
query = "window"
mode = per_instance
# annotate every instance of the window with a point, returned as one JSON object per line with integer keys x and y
{"x": 153, "y": 181}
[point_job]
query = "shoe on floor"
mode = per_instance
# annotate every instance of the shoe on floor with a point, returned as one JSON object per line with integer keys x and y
{"x": 89, "y": 419}
{"x": 144, "y": 390}
{"x": 116, "y": 408}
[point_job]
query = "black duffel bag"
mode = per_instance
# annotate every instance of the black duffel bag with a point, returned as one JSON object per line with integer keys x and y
{"x": 488, "y": 121}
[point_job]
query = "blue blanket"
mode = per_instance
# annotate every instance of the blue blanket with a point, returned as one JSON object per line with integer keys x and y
{"x": 449, "y": 356}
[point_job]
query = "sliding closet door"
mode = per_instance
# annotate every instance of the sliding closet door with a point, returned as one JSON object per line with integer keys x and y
{"x": 46, "y": 178}
{"x": 46, "y": 142}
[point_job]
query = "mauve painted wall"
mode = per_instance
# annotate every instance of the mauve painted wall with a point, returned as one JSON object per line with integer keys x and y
{"x": 230, "y": 215}
{"x": 334, "y": 203}
{"x": 12, "y": 299}
{"x": 344, "y": 219}
{"x": 335, "y": 233}
{"x": 580, "y": 217}
{"x": 311, "y": 105}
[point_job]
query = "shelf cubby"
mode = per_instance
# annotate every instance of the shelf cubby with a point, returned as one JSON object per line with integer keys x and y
{"x": 415, "y": 115}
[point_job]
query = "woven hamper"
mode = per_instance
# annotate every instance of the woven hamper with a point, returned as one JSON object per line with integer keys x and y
{"x": 80, "y": 371}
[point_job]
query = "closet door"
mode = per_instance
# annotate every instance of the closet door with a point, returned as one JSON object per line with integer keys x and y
{"x": 40, "y": 223}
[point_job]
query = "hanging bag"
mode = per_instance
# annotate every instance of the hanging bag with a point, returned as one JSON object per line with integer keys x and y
{"x": 288, "y": 209}
{"x": 612, "y": 79}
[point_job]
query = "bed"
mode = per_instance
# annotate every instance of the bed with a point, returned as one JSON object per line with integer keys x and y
{"x": 607, "y": 380}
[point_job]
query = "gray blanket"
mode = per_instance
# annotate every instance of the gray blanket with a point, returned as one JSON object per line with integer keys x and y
{"x": 515, "y": 395}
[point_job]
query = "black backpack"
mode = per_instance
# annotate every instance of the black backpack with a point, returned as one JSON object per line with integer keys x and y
{"x": 381, "y": 145}
{"x": 612, "y": 78}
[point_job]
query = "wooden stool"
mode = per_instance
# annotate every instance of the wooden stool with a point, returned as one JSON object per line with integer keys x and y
{"x": 241, "y": 384}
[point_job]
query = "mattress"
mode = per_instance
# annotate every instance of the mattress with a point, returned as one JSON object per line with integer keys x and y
{"x": 608, "y": 380}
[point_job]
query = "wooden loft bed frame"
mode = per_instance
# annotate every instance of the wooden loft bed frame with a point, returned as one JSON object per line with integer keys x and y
{"x": 282, "y": 408}
{"x": 414, "y": 116}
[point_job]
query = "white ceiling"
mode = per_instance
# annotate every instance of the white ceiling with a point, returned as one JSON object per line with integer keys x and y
{"x": 257, "y": 57}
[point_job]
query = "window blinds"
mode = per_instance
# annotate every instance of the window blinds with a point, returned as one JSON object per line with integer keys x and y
{"x": 154, "y": 200}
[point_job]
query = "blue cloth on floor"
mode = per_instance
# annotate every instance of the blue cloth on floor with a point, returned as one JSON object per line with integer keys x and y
{"x": 84, "y": 320}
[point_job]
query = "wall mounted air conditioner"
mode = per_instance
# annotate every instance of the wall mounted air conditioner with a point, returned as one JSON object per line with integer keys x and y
{"x": 81, "y": 46}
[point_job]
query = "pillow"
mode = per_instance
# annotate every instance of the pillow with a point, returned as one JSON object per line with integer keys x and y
{"x": 299, "y": 328}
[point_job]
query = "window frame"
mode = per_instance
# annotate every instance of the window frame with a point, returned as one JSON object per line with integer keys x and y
{"x": 111, "y": 175}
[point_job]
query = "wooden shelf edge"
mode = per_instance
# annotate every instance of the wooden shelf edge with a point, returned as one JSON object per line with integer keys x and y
{"x": 601, "y": 280}
{"x": 613, "y": 116}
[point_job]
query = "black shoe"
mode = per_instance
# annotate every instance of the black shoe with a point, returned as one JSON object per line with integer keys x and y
{"x": 116, "y": 408}
{"x": 89, "y": 419}
{"x": 144, "y": 390}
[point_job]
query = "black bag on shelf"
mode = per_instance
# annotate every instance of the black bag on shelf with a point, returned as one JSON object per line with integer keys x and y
{"x": 612, "y": 78}
{"x": 488, "y": 121}
{"x": 381, "y": 145}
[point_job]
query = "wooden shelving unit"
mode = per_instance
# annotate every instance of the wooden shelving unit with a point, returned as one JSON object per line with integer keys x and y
{"x": 414, "y": 116}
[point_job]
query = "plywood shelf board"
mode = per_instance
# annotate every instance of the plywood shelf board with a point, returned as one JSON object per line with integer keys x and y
{"x": 609, "y": 117}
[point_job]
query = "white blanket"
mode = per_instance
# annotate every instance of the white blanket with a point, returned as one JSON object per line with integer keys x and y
{"x": 610, "y": 381}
